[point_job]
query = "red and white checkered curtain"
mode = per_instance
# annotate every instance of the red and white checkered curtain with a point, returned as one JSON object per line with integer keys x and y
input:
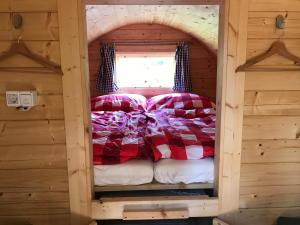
{"x": 182, "y": 78}
{"x": 105, "y": 82}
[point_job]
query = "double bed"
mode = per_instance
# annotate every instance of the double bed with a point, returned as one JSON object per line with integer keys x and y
{"x": 165, "y": 142}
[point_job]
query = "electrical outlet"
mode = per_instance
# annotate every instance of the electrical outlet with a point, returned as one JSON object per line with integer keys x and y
{"x": 12, "y": 99}
{"x": 26, "y": 99}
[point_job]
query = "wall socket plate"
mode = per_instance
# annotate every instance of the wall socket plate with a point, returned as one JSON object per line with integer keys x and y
{"x": 21, "y": 98}
{"x": 12, "y": 99}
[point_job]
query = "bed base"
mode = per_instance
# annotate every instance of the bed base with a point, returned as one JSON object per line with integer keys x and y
{"x": 153, "y": 186}
{"x": 150, "y": 208}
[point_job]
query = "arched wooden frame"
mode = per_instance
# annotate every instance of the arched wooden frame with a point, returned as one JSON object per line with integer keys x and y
{"x": 230, "y": 97}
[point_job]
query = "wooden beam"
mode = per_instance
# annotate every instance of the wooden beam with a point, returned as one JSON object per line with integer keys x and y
{"x": 113, "y": 208}
{"x": 155, "y": 213}
{"x": 217, "y": 221}
{"x": 230, "y": 101}
{"x": 73, "y": 46}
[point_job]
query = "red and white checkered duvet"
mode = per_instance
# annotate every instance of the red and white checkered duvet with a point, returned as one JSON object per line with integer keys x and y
{"x": 181, "y": 134}
{"x": 118, "y": 136}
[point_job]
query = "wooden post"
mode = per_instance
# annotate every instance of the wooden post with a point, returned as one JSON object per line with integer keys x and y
{"x": 230, "y": 99}
{"x": 76, "y": 107}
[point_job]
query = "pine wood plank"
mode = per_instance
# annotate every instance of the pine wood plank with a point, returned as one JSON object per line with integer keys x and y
{"x": 230, "y": 95}
{"x": 73, "y": 41}
{"x": 270, "y": 151}
{"x": 33, "y": 157}
{"x": 271, "y": 127}
{"x": 48, "y": 107}
{"x": 112, "y": 208}
{"x": 11, "y": 209}
{"x": 38, "y": 27}
{"x": 33, "y": 180}
{"x": 265, "y": 216}
{"x": 274, "y": 5}
{"x": 271, "y": 98}
{"x": 32, "y": 132}
{"x": 217, "y": 221}
{"x": 156, "y": 213}
{"x": 270, "y": 110}
{"x": 270, "y": 174}
{"x": 262, "y": 25}
{"x": 42, "y": 83}
{"x": 270, "y": 196}
{"x": 34, "y": 197}
{"x": 28, "y": 6}
{"x": 59, "y": 219}
{"x": 272, "y": 81}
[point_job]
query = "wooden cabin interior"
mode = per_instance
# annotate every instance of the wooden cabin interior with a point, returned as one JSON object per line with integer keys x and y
{"x": 244, "y": 62}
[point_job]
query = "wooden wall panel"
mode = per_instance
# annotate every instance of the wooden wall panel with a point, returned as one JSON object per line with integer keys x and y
{"x": 271, "y": 151}
{"x": 28, "y": 6}
{"x": 202, "y": 62}
{"x": 59, "y": 219}
{"x": 33, "y": 166}
{"x": 37, "y": 26}
{"x": 42, "y": 83}
{"x": 271, "y": 127}
{"x": 270, "y": 174}
{"x": 280, "y": 81}
{"x": 270, "y": 196}
{"x": 274, "y": 5}
{"x": 33, "y": 180}
{"x": 37, "y": 156}
{"x": 271, "y": 147}
{"x": 261, "y": 25}
{"x": 32, "y": 132}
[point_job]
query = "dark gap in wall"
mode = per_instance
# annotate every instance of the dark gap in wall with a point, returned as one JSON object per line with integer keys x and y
{"x": 189, "y": 221}
{"x": 186, "y": 192}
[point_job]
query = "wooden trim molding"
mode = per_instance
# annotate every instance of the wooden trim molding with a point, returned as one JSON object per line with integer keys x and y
{"x": 230, "y": 86}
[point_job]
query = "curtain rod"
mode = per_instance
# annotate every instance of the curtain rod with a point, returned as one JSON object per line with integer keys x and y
{"x": 146, "y": 42}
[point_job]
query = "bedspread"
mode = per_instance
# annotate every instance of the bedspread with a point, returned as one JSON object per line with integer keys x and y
{"x": 118, "y": 136}
{"x": 181, "y": 134}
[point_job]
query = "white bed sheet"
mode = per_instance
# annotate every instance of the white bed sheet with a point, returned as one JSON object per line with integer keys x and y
{"x": 133, "y": 172}
{"x": 170, "y": 171}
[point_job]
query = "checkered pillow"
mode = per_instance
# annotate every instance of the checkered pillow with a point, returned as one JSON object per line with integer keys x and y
{"x": 178, "y": 101}
{"x": 119, "y": 102}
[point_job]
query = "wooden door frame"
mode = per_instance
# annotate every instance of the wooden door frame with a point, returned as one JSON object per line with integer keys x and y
{"x": 230, "y": 98}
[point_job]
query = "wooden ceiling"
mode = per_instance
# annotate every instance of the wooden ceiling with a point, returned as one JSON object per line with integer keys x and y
{"x": 200, "y": 21}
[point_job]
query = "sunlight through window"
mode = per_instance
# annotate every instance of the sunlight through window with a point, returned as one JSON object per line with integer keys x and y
{"x": 145, "y": 70}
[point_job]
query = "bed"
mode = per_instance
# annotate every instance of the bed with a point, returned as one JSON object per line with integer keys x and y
{"x": 165, "y": 142}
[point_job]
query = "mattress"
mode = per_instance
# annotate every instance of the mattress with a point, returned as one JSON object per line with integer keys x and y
{"x": 132, "y": 172}
{"x": 170, "y": 171}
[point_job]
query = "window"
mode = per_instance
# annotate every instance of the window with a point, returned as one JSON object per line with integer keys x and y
{"x": 145, "y": 70}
